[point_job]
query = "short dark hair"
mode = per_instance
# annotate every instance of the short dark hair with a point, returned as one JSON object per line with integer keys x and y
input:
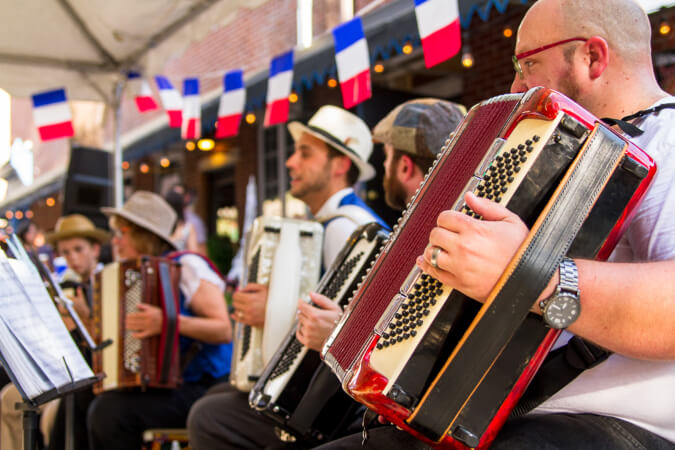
{"x": 353, "y": 172}
{"x": 423, "y": 163}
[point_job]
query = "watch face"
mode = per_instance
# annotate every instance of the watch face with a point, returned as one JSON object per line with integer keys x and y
{"x": 562, "y": 310}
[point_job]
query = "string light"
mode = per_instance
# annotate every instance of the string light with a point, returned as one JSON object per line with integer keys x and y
{"x": 293, "y": 97}
{"x": 378, "y": 68}
{"x": 19, "y": 215}
{"x": 164, "y": 162}
{"x": 664, "y": 28}
{"x": 29, "y": 214}
{"x": 144, "y": 168}
{"x": 250, "y": 118}
{"x": 206, "y": 145}
{"x": 125, "y": 165}
{"x": 467, "y": 59}
{"x": 508, "y": 32}
{"x": 50, "y": 202}
{"x": 189, "y": 146}
{"x": 9, "y": 215}
{"x": 332, "y": 82}
{"x": 407, "y": 48}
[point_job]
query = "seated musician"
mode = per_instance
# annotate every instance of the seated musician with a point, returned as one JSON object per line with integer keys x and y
{"x": 430, "y": 121}
{"x": 76, "y": 239}
{"x": 117, "y": 419}
{"x": 331, "y": 155}
{"x": 627, "y": 304}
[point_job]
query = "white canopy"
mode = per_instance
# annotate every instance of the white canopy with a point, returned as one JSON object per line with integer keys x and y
{"x": 87, "y": 45}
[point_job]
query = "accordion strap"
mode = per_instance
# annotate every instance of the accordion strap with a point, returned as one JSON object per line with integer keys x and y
{"x": 561, "y": 367}
{"x": 630, "y": 129}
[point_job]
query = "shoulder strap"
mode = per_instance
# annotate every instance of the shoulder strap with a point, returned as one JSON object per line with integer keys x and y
{"x": 559, "y": 369}
{"x": 630, "y": 129}
{"x": 176, "y": 255}
{"x": 354, "y": 213}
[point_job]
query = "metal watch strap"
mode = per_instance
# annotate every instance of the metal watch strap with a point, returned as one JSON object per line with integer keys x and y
{"x": 569, "y": 276}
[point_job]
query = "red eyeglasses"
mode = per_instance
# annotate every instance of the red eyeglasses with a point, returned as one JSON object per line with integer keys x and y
{"x": 516, "y": 58}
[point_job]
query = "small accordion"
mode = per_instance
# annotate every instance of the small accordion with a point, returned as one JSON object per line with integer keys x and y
{"x": 296, "y": 390}
{"x": 438, "y": 364}
{"x": 284, "y": 254}
{"x": 131, "y": 362}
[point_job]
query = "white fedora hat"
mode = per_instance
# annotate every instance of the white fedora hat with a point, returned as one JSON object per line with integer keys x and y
{"x": 149, "y": 211}
{"x": 343, "y": 131}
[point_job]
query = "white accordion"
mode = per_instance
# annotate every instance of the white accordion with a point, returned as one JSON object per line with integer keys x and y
{"x": 285, "y": 254}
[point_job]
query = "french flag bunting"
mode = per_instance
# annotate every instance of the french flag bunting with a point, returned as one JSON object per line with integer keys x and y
{"x": 353, "y": 63}
{"x": 171, "y": 101}
{"x": 192, "y": 124}
{"x": 52, "y": 115}
{"x": 279, "y": 88}
{"x": 438, "y": 24}
{"x": 141, "y": 91}
{"x": 231, "y": 104}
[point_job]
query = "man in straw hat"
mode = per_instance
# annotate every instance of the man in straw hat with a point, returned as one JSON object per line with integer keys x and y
{"x": 331, "y": 155}
{"x": 117, "y": 419}
{"x": 416, "y": 131}
{"x": 76, "y": 239}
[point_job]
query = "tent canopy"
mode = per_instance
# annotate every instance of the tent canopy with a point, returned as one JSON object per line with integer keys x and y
{"x": 88, "y": 45}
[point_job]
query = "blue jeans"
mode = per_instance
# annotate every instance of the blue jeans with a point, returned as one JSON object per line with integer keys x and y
{"x": 541, "y": 432}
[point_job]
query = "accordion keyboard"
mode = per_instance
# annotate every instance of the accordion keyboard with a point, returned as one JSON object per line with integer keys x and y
{"x": 337, "y": 289}
{"x": 411, "y": 313}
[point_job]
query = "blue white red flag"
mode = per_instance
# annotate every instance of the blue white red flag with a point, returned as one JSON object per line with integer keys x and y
{"x": 171, "y": 101}
{"x": 439, "y": 28}
{"x": 140, "y": 89}
{"x": 52, "y": 115}
{"x": 353, "y": 63}
{"x": 279, "y": 88}
{"x": 231, "y": 105}
{"x": 192, "y": 111}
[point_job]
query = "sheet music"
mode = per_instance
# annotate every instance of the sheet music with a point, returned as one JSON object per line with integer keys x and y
{"x": 31, "y": 320}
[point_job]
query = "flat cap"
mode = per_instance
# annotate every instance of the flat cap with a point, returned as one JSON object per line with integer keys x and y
{"x": 419, "y": 127}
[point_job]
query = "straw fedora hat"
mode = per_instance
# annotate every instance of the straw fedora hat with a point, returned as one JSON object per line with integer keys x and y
{"x": 76, "y": 226}
{"x": 342, "y": 130}
{"x": 149, "y": 211}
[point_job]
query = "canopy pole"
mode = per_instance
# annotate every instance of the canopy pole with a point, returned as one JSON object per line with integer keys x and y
{"x": 118, "y": 183}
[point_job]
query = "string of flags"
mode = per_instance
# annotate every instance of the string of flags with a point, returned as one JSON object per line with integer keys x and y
{"x": 439, "y": 30}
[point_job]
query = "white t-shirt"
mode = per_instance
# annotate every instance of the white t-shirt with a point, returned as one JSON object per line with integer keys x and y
{"x": 638, "y": 391}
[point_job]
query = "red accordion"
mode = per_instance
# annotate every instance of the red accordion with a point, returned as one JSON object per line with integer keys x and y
{"x": 132, "y": 362}
{"x": 441, "y": 365}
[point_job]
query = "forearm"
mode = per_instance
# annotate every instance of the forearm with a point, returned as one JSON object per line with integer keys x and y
{"x": 206, "y": 329}
{"x": 628, "y": 308}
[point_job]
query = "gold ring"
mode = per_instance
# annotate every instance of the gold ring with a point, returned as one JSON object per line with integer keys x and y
{"x": 435, "y": 251}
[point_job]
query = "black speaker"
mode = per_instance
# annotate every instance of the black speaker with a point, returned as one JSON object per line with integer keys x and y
{"x": 89, "y": 184}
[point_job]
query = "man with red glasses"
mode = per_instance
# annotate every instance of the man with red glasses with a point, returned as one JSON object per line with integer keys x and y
{"x": 599, "y": 54}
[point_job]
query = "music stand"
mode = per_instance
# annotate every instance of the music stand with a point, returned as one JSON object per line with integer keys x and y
{"x": 30, "y": 406}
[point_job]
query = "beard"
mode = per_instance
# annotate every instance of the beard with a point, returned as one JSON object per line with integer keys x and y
{"x": 394, "y": 194}
{"x": 569, "y": 86}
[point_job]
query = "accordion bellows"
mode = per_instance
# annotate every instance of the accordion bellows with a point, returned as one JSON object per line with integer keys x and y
{"x": 284, "y": 254}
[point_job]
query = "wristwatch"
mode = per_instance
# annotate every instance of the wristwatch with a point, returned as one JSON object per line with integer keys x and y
{"x": 563, "y": 307}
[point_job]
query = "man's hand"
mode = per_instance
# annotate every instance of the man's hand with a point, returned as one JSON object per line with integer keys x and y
{"x": 249, "y": 305}
{"x": 474, "y": 253}
{"x": 315, "y": 323}
{"x": 145, "y": 322}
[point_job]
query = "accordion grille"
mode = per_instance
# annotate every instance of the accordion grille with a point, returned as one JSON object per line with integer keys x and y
{"x": 444, "y": 186}
{"x": 132, "y": 297}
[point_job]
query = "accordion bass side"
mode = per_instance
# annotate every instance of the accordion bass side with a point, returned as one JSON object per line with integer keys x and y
{"x": 296, "y": 390}
{"x": 284, "y": 254}
{"x": 407, "y": 338}
{"x": 131, "y": 362}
